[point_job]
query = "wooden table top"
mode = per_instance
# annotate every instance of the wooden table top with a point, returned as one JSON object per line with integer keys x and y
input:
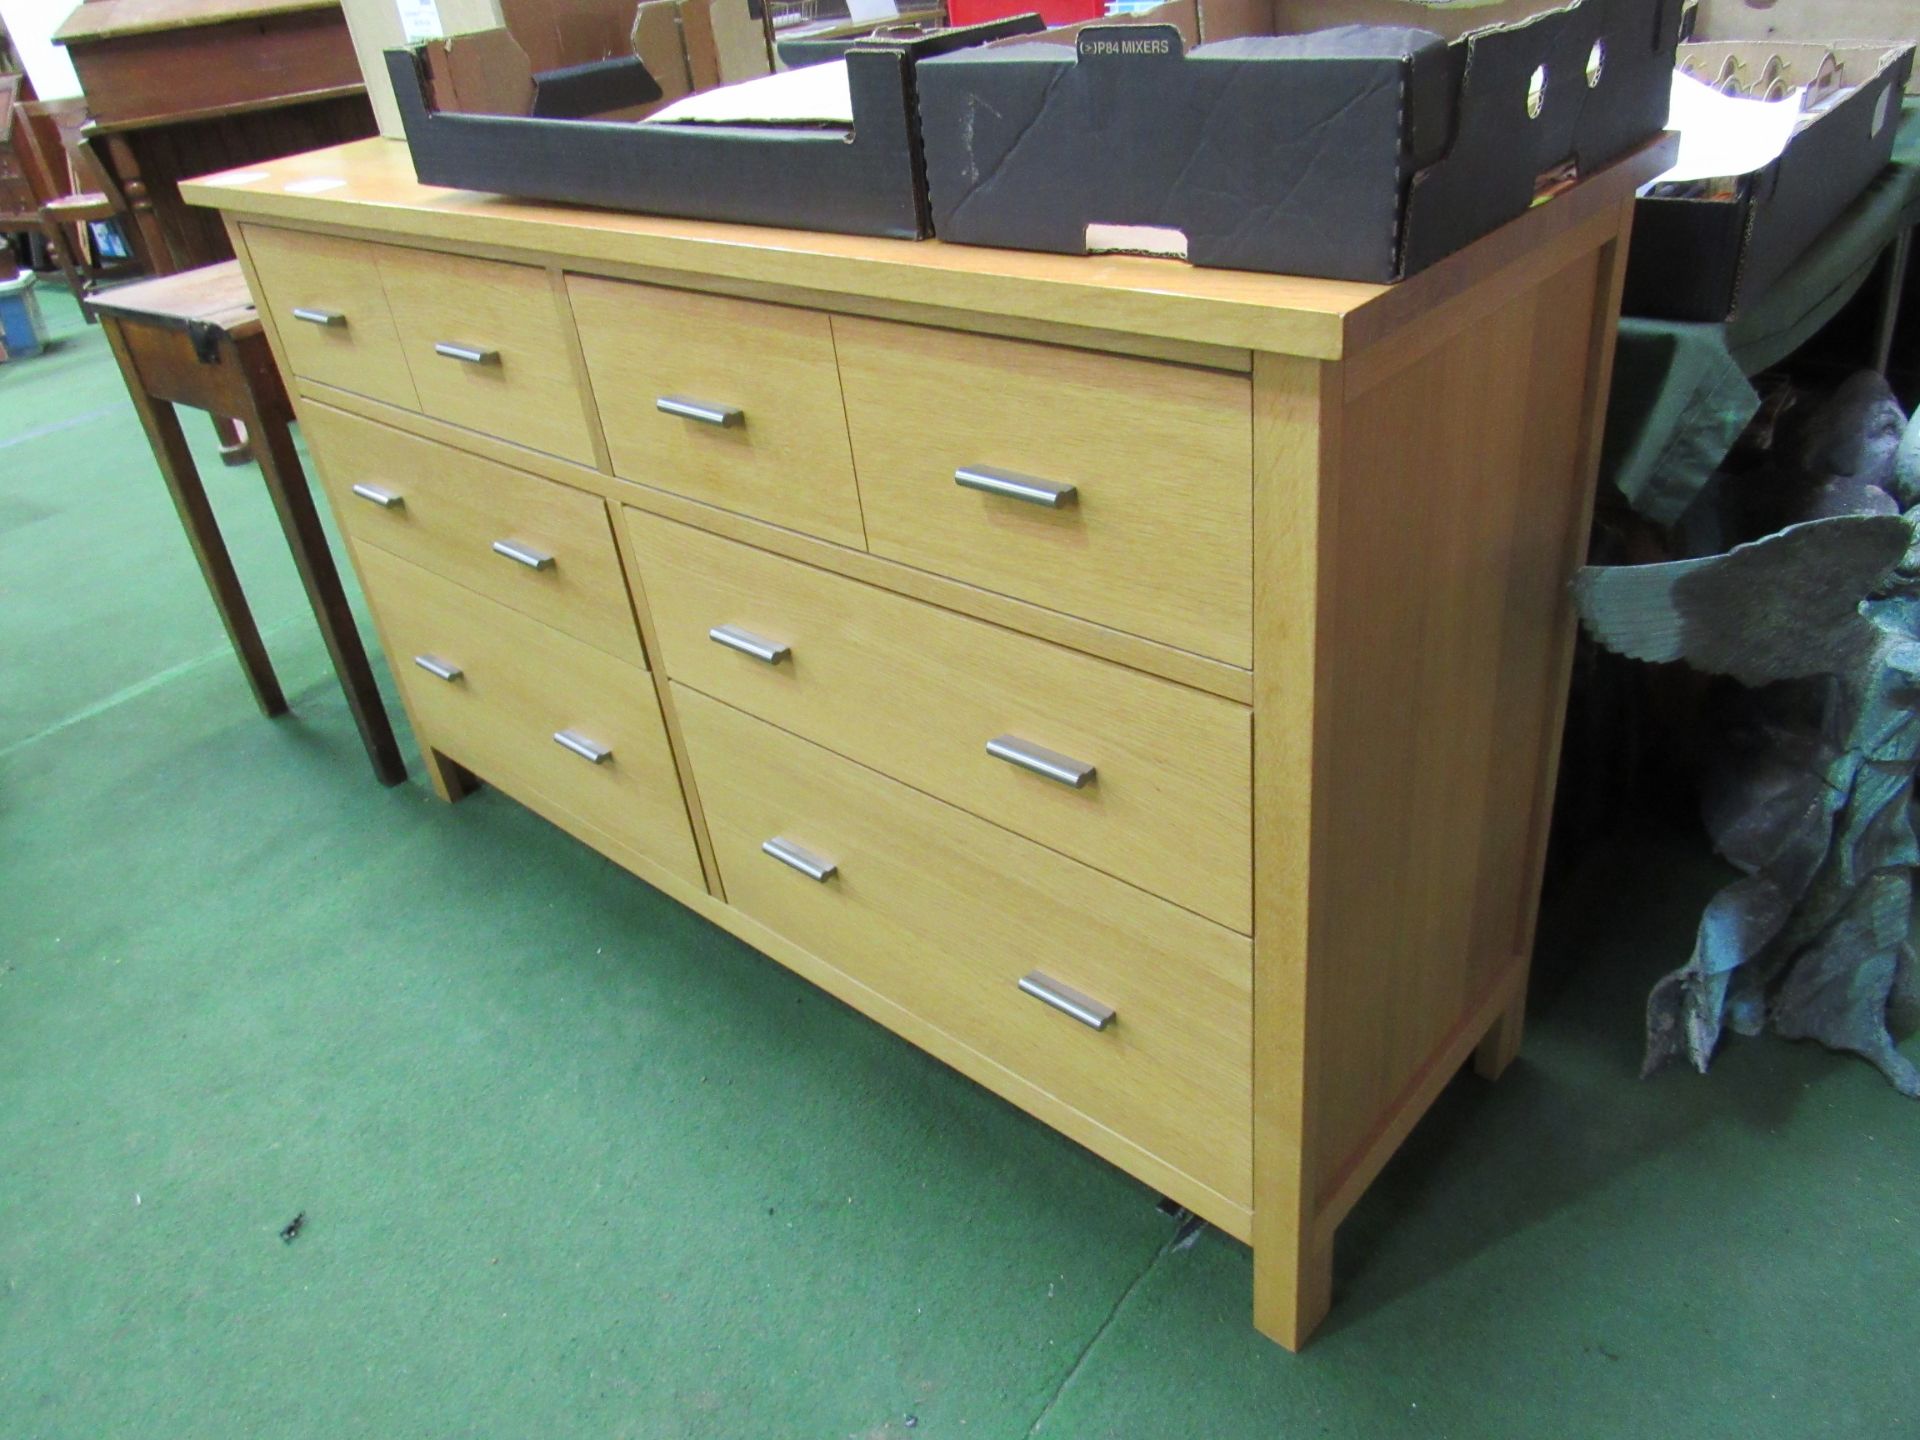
{"x": 109, "y": 19}
{"x": 213, "y": 295}
{"x": 369, "y": 187}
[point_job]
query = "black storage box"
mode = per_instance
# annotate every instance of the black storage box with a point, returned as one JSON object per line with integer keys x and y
{"x": 866, "y": 180}
{"x": 1703, "y": 259}
{"x": 1356, "y": 139}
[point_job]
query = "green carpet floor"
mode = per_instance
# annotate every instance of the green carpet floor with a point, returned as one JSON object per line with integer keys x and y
{"x": 575, "y": 1163}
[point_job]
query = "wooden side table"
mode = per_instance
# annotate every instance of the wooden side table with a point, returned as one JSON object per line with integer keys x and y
{"x": 195, "y": 339}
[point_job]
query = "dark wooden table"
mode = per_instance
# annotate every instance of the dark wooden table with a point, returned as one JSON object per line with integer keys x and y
{"x": 194, "y": 339}
{"x": 179, "y": 88}
{"x": 19, "y": 202}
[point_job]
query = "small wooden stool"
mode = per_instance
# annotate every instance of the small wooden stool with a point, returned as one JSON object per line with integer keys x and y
{"x": 194, "y": 339}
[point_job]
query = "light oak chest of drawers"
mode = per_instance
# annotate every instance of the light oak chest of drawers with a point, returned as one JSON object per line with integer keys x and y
{"x": 1140, "y": 687}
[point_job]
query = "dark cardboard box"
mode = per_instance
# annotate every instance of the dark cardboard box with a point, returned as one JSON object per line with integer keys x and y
{"x": 1704, "y": 259}
{"x": 549, "y": 135}
{"x": 1355, "y": 139}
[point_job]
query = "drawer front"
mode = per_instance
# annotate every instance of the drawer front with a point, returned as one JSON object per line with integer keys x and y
{"x": 515, "y": 685}
{"x": 1154, "y": 536}
{"x": 489, "y": 349}
{"x": 543, "y": 548}
{"x": 330, "y": 307}
{"x": 945, "y": 914}
{"x": 759, "y": 427}
{"x": 919, "y": 692}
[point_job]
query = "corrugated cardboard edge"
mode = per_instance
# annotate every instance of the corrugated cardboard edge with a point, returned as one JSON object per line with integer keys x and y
{"x": 483, "y": 73}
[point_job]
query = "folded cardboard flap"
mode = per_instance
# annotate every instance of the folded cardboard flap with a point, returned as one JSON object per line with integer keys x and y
{"x": 657, "y": 41}
{"x": 483, "y": 72}
{"x": 616, "y": 89}
{"x": 866, "y": 180}
{"x": 598, "y": 59}
{"x": 557, "y": 34}
{"x": 1593, "y": 82}
{"x": 1357, "y": 139}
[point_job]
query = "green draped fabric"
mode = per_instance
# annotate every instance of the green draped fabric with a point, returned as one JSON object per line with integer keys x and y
{"x": 1680, "y": 391}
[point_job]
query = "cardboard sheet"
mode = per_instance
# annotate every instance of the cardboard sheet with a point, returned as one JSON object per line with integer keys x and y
{"x": 811, "y": 95}
{"x": 1724, "y": 135}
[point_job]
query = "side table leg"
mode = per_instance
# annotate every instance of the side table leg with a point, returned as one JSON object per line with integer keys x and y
{"x": 287, "y": 484}
{"x": 236, "y": 446}
{"x": 170, "y": 451}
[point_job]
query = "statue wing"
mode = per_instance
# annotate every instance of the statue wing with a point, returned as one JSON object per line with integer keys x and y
{"x": 1777, "y": 609}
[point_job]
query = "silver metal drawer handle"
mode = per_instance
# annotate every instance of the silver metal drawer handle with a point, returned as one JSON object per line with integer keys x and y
{"x": 332, "y": 319}
{"x": 1067, "y": 1000}
{"x": 1041, "y": 761}
{"x": 472, "y": 354}
{"x": 688, "y": 409}
{"x": 579, "y": 744}
{"x": 532, "y": 559}
{"x": 1015, "y": 486}
{"x": 768, "y": 652}
{"x": 385, "y": 499}
{"x": 813, "y": 866}
{"x": 439, "y": 669}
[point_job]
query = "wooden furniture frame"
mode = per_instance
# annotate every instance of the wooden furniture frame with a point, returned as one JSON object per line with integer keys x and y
{"x": 1422, "y": 465}
{"x": 178, "y": 87}
{"x": 19, "y": 200}
{"x": 74, "y": 193}
{"x": 195, "y": 339}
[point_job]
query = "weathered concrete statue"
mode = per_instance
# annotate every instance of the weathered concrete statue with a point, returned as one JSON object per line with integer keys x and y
{"x": 1813, "y": 798}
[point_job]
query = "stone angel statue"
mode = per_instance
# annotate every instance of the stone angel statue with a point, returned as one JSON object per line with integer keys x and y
{"x": 1814, "y": 803}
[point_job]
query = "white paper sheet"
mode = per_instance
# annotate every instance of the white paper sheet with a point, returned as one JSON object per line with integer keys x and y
{"x": 1724, "y": 135}
{"x": 420, "y": 20}
{"x": 873, "y": 10}
{"x": 812, "y": 94}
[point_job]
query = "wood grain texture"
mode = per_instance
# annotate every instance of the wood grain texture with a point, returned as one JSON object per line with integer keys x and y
{"x": 447, "y": 780}
{"x": 1212, "y": 676}
{"x": 663, "y": 692}
{"x": 787, "y": 460}
{"x": 916, "y": 692}
{"x": 529, "y": 392}
{"x": 521, "y": 682}
{"x": 944, "y": 914}
{"x": 1281, "y": 314}
{"x": 1419, "y": 572}
{"x": 1050, "y": 332}
{"x": 1155, "y": 542}
{"x": 1382, "y": 578}
{"x": 182, "y": 477}
{"x": 1443, "y": 559}
{"x": 293, "y": 271}
{"x": 455, "y": 505}
{"x": 1296, "y": 446}
{"x": 145, "y": 60}
{"x": 211, "y": 295}
{"x": 1231, "y": 1216}
{"x": 263, "y": 412}
{"x": 106, "y": 19}
{"x": 582, "y": 380}
{"x": 1550, "y": 646}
